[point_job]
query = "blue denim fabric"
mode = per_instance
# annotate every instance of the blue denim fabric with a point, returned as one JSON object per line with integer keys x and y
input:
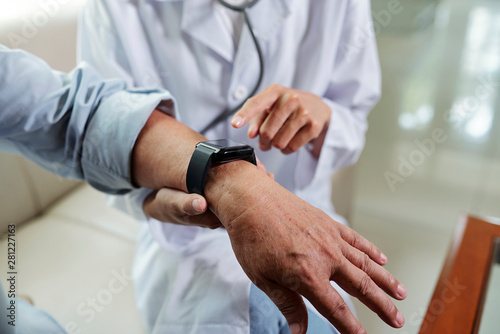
{"x": 28, "y": 319}
{"x": 265, "y": 317}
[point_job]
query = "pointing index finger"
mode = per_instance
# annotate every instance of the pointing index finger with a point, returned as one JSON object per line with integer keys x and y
{"x": 256, "y": 104}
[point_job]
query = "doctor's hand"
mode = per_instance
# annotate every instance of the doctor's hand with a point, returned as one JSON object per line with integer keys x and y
{"x": 290, "y": 249}
{"x": 178, "y": 207}
{"x": 285, "y": 118}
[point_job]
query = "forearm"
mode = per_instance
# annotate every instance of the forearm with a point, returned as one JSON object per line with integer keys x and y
{"x": 162, "y": 152}
{"x": 161, "y": 157}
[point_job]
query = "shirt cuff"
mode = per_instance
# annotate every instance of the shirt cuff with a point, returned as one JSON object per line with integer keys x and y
{"x": 112, "y": 133}
{"x": 343, "y": 144}
{"x": 345, "y": 137}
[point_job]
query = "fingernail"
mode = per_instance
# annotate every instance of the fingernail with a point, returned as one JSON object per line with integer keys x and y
{"x": 295, "y": 328}
{"x": 383, "y": 258}
{"x": 237, "y": 121}
{"x": 197, "y": 205}
{"x": 400, "y": 319}
{"x": 401, "y": 291}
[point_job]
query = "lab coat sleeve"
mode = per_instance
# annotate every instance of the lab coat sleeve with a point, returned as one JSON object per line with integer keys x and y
{"x": 354, "y": 88}
{"x": 76, "y": 125}
{"x": 99, "y": 43}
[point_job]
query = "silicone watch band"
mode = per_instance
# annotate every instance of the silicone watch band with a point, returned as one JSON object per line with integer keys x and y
{"x": 198, "y": 168}
{"x": 199, "y": 165}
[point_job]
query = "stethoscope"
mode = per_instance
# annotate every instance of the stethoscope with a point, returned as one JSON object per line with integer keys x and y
{"x": 244, "y": 10}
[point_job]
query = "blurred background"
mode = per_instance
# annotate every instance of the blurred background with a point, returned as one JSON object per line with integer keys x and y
{"x": 433, "y": 147}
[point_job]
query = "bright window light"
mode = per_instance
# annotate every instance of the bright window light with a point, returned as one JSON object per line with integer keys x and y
{"x": 15, "y": 11}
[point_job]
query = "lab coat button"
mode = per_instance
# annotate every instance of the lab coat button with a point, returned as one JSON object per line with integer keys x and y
{"x": 240, "y": 93}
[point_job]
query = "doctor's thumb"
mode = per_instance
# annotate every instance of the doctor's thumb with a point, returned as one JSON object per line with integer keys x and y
{"x": 292, "y": 307}
{"x": 182, "y": 203}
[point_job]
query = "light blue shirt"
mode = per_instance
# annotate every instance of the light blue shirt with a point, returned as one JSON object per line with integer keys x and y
{"x": 77, "y": 125}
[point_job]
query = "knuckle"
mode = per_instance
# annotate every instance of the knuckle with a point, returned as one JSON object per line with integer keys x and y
{"x": 275, "y": 86}
{"x": 187, "y": 209}
{"x": 356, "y": 241}
{"x": 279, "y": 144}
{"x": 283, "y": 113}
{"x": 374, "y": 250}
{"x": 392, "y": 309}
{"x": 304, "y": 112}
{"x": 304, "y": 119}
{"x": 365, "y": 263}
{"x": 294, "y": 98}
{"x": 266, "y": 135}
{"x": 176, "y": 208}
{"x": 305, "y": 275}
{"x": 315, "y": 127}
{"x": 293, "y": 147}
{"x": 339, "y": 310}
{"x": 251, "y": 103}
{"x": 358, "y": 329}
{"x": 391, "y": 281}
{"x": 364, "y": 286}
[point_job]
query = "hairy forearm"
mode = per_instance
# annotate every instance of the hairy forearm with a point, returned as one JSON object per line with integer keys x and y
{"x": 162, "y": 153}
{"x": 282, "y": 243}
{"x": 161, "y": 157}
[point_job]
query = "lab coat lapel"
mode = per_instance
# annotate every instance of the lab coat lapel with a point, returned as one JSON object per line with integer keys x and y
{"x": 266, "y": 17}
{"x": 200, "y": 21}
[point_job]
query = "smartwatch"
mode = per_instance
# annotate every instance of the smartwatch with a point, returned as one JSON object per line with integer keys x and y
{"x": 214, "y": 152}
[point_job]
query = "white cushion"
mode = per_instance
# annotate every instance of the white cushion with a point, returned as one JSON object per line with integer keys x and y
{"x": 73, "y": 255}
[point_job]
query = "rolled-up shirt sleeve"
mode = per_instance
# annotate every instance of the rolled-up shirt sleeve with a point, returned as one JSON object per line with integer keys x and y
{"x": 76, "y": 125}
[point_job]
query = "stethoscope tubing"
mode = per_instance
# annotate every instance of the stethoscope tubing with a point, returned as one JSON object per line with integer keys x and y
{"x": 244, "y": 10}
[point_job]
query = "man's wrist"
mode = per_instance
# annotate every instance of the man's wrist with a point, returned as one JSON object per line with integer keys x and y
{"x": 228, "y": 188}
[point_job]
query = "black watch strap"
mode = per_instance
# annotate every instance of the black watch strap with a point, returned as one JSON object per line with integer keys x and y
{"x": 252, "y": 159}
{"x": 198, "y": 168}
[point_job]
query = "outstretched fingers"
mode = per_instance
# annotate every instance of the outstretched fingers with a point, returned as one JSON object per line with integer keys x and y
{"x": 357, "y": 241}
{"x": 360, "y": 284}
{"x": 385, "y": 280}
{"x": 330, "y": 304}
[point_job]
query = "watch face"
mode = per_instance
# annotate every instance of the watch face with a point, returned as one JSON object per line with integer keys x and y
{"x": 226, "y": 150}
{"x": 223, "y": 143}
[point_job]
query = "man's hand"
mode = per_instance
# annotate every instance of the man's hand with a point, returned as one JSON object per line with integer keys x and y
{"x": 288, "y": 248}
{"x": 285, "y": 118}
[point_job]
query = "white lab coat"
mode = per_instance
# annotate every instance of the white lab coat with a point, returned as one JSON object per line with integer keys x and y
{"x": 188, "y": 280}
